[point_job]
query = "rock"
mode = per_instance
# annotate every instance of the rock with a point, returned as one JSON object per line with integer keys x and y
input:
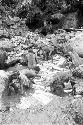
{"x": 76, "y": 60}
{"x": 78, "y": 72}
{"x": 77, "y": 44}
{"x": 79, "y": 88}
{"x": 18, "y": 80}
{"x": 55, "y": 18}
{"x": 14, "y": 75}
{"x": 25, "y": 82}
{"x": 46, "y": 30}
{"x": 58, "y": 90}
{"x": 14, "y": 19}
{"x": 32, "y": 59}
{"x": 23, "y": 60}
{"x": 76, "y": 110}
{"x": 14, "y": 87}
{"x": 14, "y": 84}
{"x": 11, "y": 63}
{"x": 3, "y": 80}
{"x": 37, "y": 69}
{"x": 57, "y": 82}
{"x": 3, "y": 57}
{"x": 29, "y": 73}
{"x": 24, "y": 2}
{"x": 1, "y": 32}
{"x": 57, "y": 15}
{"x": 67, "y": 90}
{"x": 29, "y": 60}
{"x": 70, "y": 21}
{"x": 7, "y": 45}
{"x": 0, "y": 22}
{"x": 67, "y": 85}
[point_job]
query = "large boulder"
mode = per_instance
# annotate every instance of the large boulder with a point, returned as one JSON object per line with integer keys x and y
{"x": 6, "y": 45}
{"x": 57, "y": 84}
{"x": 76, "y": 60}
{"x": 77, "y": 44}
{"x": 70, "y": 21}
{"x": 56, "y": 18}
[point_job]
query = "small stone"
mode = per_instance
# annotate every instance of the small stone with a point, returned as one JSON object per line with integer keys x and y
{"x": 79, "y": 90}
{"x": 68, "y": 91}
{"x": 67, "y": 85}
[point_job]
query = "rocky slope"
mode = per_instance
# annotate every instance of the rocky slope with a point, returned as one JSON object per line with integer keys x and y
{"x": 41, "y": 104}
{"x": 41, "y": 72}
